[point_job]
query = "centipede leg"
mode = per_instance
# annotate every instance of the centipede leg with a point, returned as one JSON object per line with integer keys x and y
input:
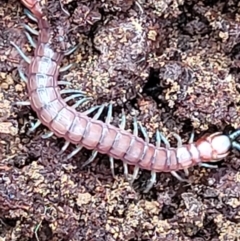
{"x": 65, "y": 68}
{"x": 207, "y": 165}
{"x": 22, "y": 103}
{"x": 72, "y": 97}
{"x": 65, "y": 146}
{"x": 74, "y": 152}
{"x": 125, "y": 171}
{"x": 34, "y": 126}
{"x": 150, "y": 182}
{"x": 30, "y": 40}
{"x": 70, "y": 51}
{"x": 191, "y": 139}
{"x": 71, "y": 91}
{"x": 30, "y": 15}
{"x": 80, "y": 102}
{"x": 27, "y": 59}
{"x": 22, "y": 75}
{"x": 29, "y": 29}
{"x": 108, "y": 120}
{"x": 47, "y": 135}
{"x": 63, "y": 82}
{"x": 179, "y": 177}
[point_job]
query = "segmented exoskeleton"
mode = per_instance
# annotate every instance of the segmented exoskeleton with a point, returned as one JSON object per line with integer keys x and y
{"x": 79, "y": 129}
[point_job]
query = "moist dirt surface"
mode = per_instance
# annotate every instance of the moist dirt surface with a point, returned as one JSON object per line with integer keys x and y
{"x": 174, "y": 65}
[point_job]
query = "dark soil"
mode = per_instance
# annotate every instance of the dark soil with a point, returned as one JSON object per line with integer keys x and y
{"x": 174, "y": 65}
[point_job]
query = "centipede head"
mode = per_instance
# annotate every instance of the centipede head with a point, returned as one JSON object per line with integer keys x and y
{"x": 220, "y": 144}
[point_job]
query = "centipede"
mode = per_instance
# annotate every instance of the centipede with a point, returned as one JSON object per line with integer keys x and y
{"x": 77, "y": 128}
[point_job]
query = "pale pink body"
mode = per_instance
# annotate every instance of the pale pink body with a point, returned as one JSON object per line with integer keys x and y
{"x": 78, "y": 128}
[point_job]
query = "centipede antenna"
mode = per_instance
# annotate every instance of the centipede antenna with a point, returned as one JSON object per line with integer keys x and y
{"x": 27, "y": 59}
{"x": 158, "y": 139}
{"x": 144, "y": 132}
{"x": 75, "y": 151}
{"x": 63, "y": 82}
{"x": 151, "y": 182}
{"x": 34, "y": 126}
{"x": 29, "y": 29}
{"x": 47, "y": 135}
{"x": 234, "y": 135}
{"x": 69, "y": 91}
{"x": 135, "y": 127}
{"x": 29, "y": 15}
{"x": 91, "y": 159}
{"x": 236, "y": 145}
{"x": 80, "y": 102}
{"x": 65, "y": 146}
{"x": 22, "y": 75}
{"x": 70, "y": 51}
{"x": 30, "y": 40}
{"x": 65, "y": 68}
{"x": 165, "y": 141}
{"x": 72, "y": 97}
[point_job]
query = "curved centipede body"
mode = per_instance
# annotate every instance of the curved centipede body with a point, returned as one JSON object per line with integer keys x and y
{"x": 79, "y": 129}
